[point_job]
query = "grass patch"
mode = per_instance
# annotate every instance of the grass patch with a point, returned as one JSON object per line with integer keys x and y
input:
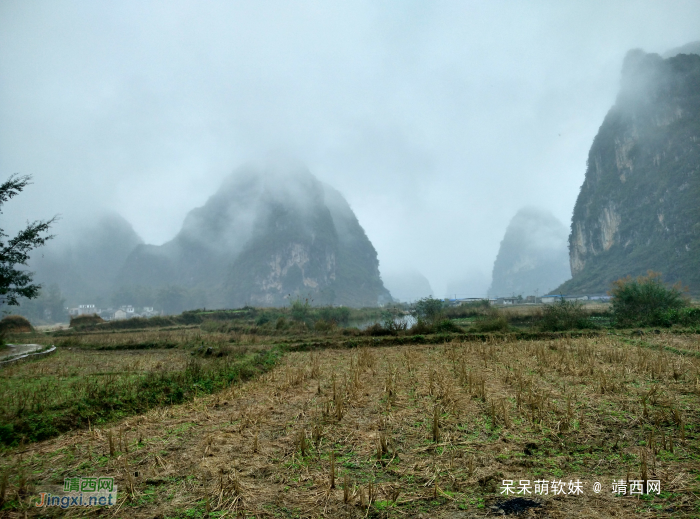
{"x": 43, "y": 398}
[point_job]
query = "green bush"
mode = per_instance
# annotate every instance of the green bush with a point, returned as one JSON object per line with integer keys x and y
{"x": 681, "y": 316}
{"x": 421, "y": 328}
{"x": 324, "y": 326}
{"x": 377, "y": 329}
{"x": 281, "y": 323}
{"x": 300, "y": 309}
{"x": 491, "y": 321}
{"x": 470, "y": 309}
{"x": 339, "y": 314}
{"x": 565, "y": 315}
{"x": 645, "y": 301}
{"x": 429, "y": 309}
{"x": 447, "y": 326}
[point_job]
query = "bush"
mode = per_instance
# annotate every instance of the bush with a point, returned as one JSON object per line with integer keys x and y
{"x": 470, "y": 309}
{"x": 281, "y": 323}
{"x": 377, "y": 330}
{"x": 681, "y": 316}
{"x": 324, "y": 326}
{"x": 300, "y": 309}
{"x": 392, "y": 323}
{"x": 447, "y": 326}
{"x": 421, "y": 328}
{"x": 264, "y": 318}
{"x": 492, "y": 321}
{"x": 429, "y": 309}
{"x": 564, "y": 315}
{"x": 339, "y": 315}
{"x": 645, "y": 300}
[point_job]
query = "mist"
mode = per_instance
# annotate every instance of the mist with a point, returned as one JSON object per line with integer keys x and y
{"x": 436, "y": 122}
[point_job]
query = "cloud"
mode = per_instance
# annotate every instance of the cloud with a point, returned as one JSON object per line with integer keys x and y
{"x": 435, "y": 120}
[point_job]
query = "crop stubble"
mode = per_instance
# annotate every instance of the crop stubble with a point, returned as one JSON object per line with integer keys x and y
{"x": 407, "y": 430}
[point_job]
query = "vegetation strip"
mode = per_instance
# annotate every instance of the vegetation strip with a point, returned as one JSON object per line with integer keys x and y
{"x": 440, "y": 339}
{"x": 656, "y": 347}
{"x": 36, "y": 406}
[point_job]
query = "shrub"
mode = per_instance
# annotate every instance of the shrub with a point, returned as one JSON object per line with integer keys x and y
{"x": 421, "y": 328}
{"x": 682, "y": 316}
{"x": 564, "y": 315}
{"x": 470, "y": 309}
{"x": 492, "y": 321}
{"x": 300, "y": 309}
{"x": 324, "y": 326}
{"x": 263, "y": 318}
{"x": 377, "y": 330}
{"x": 191, "y": 317}
{"x": 429, "y": 309}
{"x": 446, "y": 326}
{"x": 644, "y": 301}
{"x": 339, "y": 314}
{"x": 281, "y": 323}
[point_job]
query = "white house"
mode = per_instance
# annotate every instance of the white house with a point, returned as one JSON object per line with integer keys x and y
{"x": 83, "y": 310}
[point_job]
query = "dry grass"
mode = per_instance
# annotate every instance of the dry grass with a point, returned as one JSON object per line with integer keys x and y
{"x": 398, "y": 432}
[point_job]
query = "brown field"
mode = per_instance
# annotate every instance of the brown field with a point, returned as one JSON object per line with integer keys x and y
{"x": 411, "y": 431}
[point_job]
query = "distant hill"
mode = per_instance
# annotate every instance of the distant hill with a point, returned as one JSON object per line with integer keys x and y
{"x": 639, "y": 205}
{"x": 408, "y": 286}
{"x": 533, "y": 257}
{"x": 688, "y": 48}
{"x": 84, "y": 260}
{"x": 272, "y": 231}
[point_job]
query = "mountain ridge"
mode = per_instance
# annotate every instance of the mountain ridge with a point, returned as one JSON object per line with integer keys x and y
{"x": 638, "y": 208}
{"x": 269, "y": 233}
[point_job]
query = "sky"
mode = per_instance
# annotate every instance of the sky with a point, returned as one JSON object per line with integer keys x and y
{"x": 436, "y": 120}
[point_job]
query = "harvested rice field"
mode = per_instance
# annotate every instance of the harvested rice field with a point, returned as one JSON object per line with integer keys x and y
{"x": 434, "y": 431}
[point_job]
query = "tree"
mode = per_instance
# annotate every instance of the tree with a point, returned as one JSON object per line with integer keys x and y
{"x": 49, "y": 306}
{"x": 429, "y": 309}
{"x": 15, "y": 282}
{"x": 644, "y": 300}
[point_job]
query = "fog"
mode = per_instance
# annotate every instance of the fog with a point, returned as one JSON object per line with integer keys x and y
{"x": 436, "y": 121}
{"x": 533, "y": 258}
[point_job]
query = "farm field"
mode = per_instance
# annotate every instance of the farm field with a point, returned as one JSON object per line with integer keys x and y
{"x": 96, "y": 383}
{"x": 420, "y": 430}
